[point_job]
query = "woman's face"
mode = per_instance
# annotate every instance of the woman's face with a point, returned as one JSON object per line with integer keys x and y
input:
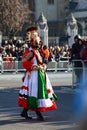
{"x": 34, "y": 35}
{"x": 37, "y": 42}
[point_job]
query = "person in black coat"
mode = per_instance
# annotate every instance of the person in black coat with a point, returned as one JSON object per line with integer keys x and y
{"x": 75, "y": 57}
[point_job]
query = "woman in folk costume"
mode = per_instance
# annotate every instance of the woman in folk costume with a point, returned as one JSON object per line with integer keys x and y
{"x": 36, "y": 94}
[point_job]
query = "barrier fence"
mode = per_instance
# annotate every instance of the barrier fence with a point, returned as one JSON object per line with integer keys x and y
{"x": 61, "y": 65}
{"x": 79, "y": 73}
{"x": 52, "y": 66}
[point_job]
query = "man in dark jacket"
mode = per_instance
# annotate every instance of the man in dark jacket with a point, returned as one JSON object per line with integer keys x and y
{"x": 75, "y": 57}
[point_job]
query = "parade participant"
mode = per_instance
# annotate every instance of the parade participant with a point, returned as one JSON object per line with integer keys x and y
{"x": 36, "y": 94}
{"x": 26, "y": 65}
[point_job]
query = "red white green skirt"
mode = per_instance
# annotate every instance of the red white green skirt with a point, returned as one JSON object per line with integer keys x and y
{"x": 36, "y": 93}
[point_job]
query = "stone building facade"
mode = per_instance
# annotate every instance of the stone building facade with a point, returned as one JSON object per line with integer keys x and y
{"x": 54, "y": 12}
{"x": 80, "y": 13}
{"x": 57, "y": 13}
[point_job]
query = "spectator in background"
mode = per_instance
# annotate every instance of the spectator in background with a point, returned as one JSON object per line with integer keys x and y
{"x": 75, "y": 55}
{"x": 46, "y": 54}
{"x": 51, "y": 53}
{"x": 14, "y": 40}
{"x": 17, "y": 47}
{"x": 83, "y": 53}
{"x": 9, "y": 61}
{"x": 4, "y": 52}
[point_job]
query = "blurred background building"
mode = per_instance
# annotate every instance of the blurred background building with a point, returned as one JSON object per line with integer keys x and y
{"x": 54, "y": 11}
{"x": 57, "y": 12}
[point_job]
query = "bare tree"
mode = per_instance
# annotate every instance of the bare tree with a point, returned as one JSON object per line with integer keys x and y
{"x": 13, "y": 15}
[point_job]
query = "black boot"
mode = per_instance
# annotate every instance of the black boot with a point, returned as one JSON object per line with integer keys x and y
{"x": 39, "y": 116}
{"x": 25, "y": 114}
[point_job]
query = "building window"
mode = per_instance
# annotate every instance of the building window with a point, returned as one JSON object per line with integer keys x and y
{"x": 50, "y": 1}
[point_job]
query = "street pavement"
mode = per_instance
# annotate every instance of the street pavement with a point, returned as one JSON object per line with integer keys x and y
{"x": 60, "y": 119}
{"x": 58, "y": 79}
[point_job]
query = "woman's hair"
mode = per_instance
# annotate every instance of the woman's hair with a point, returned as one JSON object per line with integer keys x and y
{"x": 31, "y": 28}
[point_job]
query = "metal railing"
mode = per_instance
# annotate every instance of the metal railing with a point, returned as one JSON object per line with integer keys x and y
{"x": 78, "y": 72}
{"x": 16, "y": 66}
{"x": 9, "y": 66}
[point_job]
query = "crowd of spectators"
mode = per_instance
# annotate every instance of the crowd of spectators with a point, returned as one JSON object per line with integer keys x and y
{"x": 59, "y": 53}
{"x": 13, "y": 49}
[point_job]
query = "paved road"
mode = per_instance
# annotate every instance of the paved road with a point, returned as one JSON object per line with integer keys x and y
{"x": 57, "y": 79}
{"x": 60, "y": 119}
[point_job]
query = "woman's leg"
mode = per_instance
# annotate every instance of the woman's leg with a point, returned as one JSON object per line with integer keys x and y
{"x": 25, "y": 114}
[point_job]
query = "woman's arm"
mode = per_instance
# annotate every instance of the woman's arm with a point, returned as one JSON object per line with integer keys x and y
{"x": 28, "y": 57}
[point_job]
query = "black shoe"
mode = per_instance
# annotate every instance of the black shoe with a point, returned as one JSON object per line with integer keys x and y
{"x": 39, "y": 116}
{"x": 24, "y": 114}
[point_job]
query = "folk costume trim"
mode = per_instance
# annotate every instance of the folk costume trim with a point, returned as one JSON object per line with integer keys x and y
{"x": 38, "y": 56}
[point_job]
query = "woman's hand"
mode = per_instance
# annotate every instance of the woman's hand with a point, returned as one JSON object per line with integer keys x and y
{"x": 35, "y": 67}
